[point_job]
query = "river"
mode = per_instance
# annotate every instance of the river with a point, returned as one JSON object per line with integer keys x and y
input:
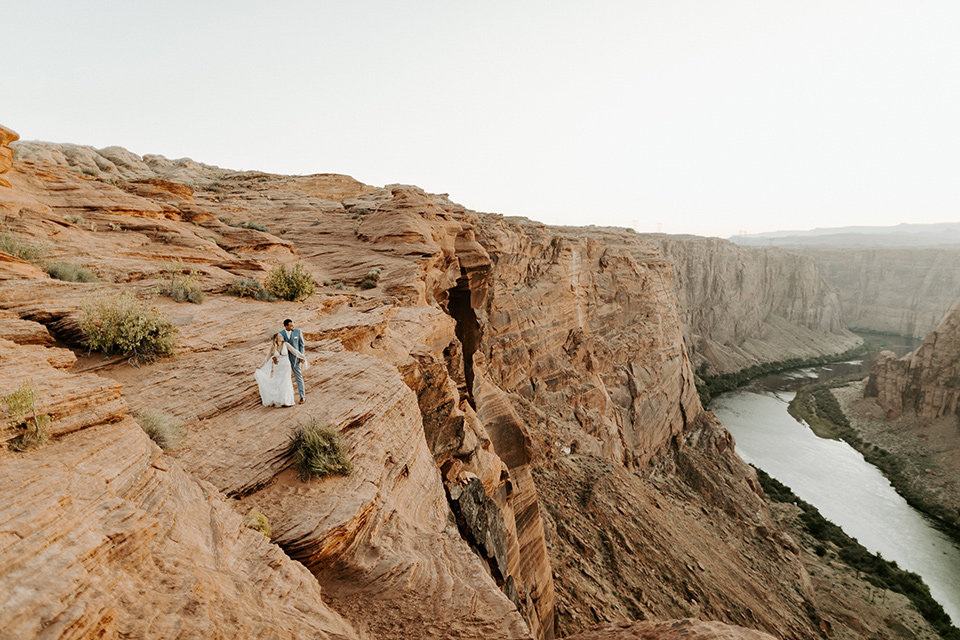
{"x": 835, "y": 478}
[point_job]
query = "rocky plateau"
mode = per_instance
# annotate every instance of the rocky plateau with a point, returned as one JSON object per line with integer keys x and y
{"x": 530, "y": 456}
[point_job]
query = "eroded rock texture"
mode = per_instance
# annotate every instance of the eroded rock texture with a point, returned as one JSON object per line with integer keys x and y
{"x": 743, "y": 306}
{"x": 530, "y": 454}
{"x": 104, "y": 536}
{"x": 925, "y": 382}
{"x": 905, "y": 291}
{"x": 688, "y": 629}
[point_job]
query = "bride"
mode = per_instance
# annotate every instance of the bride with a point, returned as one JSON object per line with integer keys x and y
{"x": 273, "y": 376}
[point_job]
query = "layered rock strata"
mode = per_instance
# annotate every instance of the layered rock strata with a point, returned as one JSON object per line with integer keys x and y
{"x": 903, "y": 291}
{"x": 103, "y": 535}
{"x": 925, "y": 382}
{"x": 511, "y": 395}
{"x": 742, "y": 306}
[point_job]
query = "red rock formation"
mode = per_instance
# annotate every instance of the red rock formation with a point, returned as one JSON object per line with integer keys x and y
{"x": 6, "y": 153}
{"x": 925, "y": 382}
{"x": 687, "y": 629}
{"x": 103, "y": 535}
{"x": 497, "y": 361}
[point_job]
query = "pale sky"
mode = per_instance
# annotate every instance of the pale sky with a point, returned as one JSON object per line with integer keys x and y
{"x": 706, "y": 117}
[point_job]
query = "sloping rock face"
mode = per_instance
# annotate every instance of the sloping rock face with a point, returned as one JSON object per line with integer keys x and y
{"x": 904, "y": 291}
{"x": 925, "y": 382}
{"x": 688, "y": 629}
{"x": 6, "y": 153}
{"x": 102, "y": 535}
{"x": 530, "y": 455}
{"x": 742, "y": 307}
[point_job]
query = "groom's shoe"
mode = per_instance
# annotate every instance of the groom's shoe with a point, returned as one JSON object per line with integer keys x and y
{"x": 301, "y": 400}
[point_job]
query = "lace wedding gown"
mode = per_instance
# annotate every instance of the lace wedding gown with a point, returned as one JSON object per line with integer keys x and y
{"x": 276, "y": 388}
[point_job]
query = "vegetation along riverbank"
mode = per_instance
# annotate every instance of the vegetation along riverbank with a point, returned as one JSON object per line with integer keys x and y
{"x": 836, "y": 409}
{"x": 831, "y": 546}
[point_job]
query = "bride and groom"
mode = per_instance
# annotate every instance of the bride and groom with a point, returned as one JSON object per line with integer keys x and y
{"x": 286, "y": 356}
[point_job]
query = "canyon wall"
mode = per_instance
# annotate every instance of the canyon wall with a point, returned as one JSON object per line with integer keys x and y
{"x": 903, "y": 291}
{"x": 925, "y": 382}
{"x": 530, "y": 454}
{"x": 743, "y": 306}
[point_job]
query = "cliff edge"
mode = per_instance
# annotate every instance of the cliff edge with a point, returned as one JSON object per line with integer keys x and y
{"x": 530, "y": 457}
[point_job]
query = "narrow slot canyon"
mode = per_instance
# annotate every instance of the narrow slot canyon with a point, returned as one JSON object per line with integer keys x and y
{"x": 468, "y": 329}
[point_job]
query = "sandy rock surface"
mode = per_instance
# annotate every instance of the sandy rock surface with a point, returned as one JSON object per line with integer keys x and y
{"x": 536, "y": 361}
{"x": 690, "y": 629}
{"x": 103, "y": 535}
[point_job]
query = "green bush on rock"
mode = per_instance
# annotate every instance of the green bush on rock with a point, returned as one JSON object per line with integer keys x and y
{"x": 293, "y": 284}
{"x": 22, "y": 409}
{"x": 121, "y": 324}
{"x": 180, "y": 284}
{"x": 250, "y": 288}
{"x": 318, "y": 451}
{"x": 70, "y": 272}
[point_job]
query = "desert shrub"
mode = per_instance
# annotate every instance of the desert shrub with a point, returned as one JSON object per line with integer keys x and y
{"x": 120, "y": 323}
{"x": 250, "y": 288}
{"x": 25, "y": 416}
{"x": 180, "y": 284}
{"x": 293, "y": 284}
{"x": 22, "y": 249}
{"x": 163, "y": 428}
{"x": 258, "y": 522}
{"x": 71, "y": 272}
{"x": 318, "y": 451}
{"x": 371, "y": 280}
{"x": 74, "y": 219}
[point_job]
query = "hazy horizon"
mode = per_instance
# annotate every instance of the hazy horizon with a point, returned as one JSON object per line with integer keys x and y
{"x": 685, "y": 117}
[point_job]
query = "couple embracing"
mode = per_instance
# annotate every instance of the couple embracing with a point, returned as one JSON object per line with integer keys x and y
{"x": 285, "y": 356}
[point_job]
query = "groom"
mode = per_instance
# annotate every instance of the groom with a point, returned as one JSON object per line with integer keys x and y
{"x": 294, "y": 337}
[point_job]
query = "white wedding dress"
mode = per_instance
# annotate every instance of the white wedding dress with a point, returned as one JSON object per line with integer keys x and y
{"x": 276, "y": 388}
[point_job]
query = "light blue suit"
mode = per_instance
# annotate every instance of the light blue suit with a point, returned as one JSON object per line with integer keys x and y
{"x": 295, "y": 339}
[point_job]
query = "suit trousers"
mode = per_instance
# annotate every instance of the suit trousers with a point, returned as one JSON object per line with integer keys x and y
{"x": 297, "y": 374}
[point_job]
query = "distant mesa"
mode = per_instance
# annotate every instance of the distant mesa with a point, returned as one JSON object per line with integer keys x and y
{"x": 902, "y": 235}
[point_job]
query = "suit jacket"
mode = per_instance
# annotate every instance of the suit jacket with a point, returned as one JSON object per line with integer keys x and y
{"x": 295, "y": 340}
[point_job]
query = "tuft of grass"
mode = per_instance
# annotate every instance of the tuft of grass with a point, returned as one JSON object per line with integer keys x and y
{"x": 294, "y": 284}
{"x": 17, "y": 247}
{"x": 250, "y": 288}
{"x": 318, "y": 451}
{"x": 180, "y": 284}
{"x": 74, "y": 219}
{"x": 371, "y": 280}
{"x": 22, "y": 409}
{"x": 258, "y": 522}
{"x": 163, "y": 428}
{"x": 71, "y": 272}
{"x": 119, "y": 323}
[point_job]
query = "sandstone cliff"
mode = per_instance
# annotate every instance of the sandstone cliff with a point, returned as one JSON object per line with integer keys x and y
{"x": 743, "y": 306}
{"x": 530, "y": 455}
{"x": 925, "y": 382}
{"x": 904, "y": 291}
